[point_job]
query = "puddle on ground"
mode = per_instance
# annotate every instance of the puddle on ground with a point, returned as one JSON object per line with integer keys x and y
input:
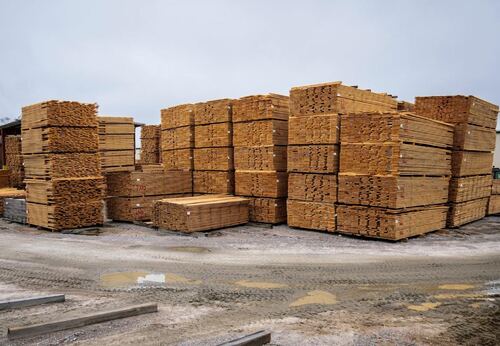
{"x": 457, "y": 287}
{"x": 457, "y": 295}
{"x": 316, "y": 297}
{"x": 423, "y": 307}
{"x": 190, "y": 249}
{"x": 124, "y": 279}
{"x": 256, "y": 284}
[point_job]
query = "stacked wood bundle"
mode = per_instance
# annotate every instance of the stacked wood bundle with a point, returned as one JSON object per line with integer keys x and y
{"x": 117, "y": 143}
{"x": 494, "y": 199}
{"x": 472, "y": 158}
{"x": 9, "y": 192}
{"x": 150, "y": 144}
{"x": 14, "y": 160}
{"x": 394, "y": 174}
{"x": 130, "y": 195}
{"x": 177, "y": 137}
{"x": 200, "y": 213}
{"x": 64, "y": 186}
{"x": 260, "y": 137}
{"x": 313, "y": 148}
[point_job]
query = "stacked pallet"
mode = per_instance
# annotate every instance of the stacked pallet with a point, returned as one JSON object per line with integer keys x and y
{"x": 14, "y": 160}
{"x": 131, "y": 194}
{"x": 213, "y": 148}
{"x": 472, "y": 159}
{"x": 313, "y": 150}
{"x": 394, "y": 174}
{"x": 200, "y": 213}
{"x": 494, "y": 201}
{"x": 260, "y": 137}
{"x": 64, "y": 186}
{"x": 150, "y": 144}
{"x": 116, "y": 143}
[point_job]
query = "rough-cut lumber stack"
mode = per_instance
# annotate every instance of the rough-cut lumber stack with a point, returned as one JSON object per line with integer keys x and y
{"x": 200, "y": 213}
{"x": 177, "y": 137}
{"x": 394, "y": 174}
{"x": 313, "y": 148}
{"x": 213, "y": 148}
{"x": 9, "y": 192}
{"x": 64, "y": 186}
{"x": 117, "y": 143}
{"x": 150, "y": 144}
{"x": 14, "y": 160}
{"x": 260, "y": 137}
{"x": 131, "y": 194}
{"x": 494, "y": 201}
{"x": 472, "y": 159}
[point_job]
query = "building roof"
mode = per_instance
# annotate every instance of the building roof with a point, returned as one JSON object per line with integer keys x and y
{"x": 14, "y": 123}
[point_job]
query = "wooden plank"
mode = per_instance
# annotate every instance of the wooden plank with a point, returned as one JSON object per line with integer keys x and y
{"x": 260, "y": 107}
{"x": 32, "y": 301}
{"x": 256, "y": 339}
{"x": 311, "y": 215}
{"x": 49, "y": 327}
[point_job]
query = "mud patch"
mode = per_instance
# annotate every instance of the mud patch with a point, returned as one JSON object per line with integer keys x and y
{"x": 457, "y": 287}
{"x": 423, "y": 307}
{"x": 257, "y": 284}
{"x": 316, "y": 297}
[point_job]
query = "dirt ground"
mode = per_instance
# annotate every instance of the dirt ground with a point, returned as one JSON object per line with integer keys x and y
{"x": 308, "y": 288}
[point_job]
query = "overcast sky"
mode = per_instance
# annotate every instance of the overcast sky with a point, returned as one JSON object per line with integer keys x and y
{"x": 135, "y": 57}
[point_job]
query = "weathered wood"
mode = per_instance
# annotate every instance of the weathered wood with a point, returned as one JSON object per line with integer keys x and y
{"x": 469, "y": 188}
{"x": 467, "y": 163}
{"x": 314, "y": 129}
{"x": 116, "y": 143}
{"x": 260, "y": 133}
{"x": 32, "y": 301}
{"x": 313, "y": 158}
{"x": 59, "y": 113}
{"x": 311, "y": 215}
{"x": 270, "y": 184}
{"x": 139, "y": 208}
{"x": 14, "y": 160}
{"x": 213, "y": 112}
{"x": 219, "y": 182}
{"x": 213, "y": 159}
{"x": 65, "y": 191}
{"x": 267, "y": 210}
{"x": 261, "y": 158}
{"x": 177, "y": 138}
{"x": 312, "y": 187}
{"x": 181, "y": 159}
{"x": 259, "y": 107}
{"x": 494, "y": 205}
{"x": 60, "y": 140}
{"x": 495, "y": 188}
{"x": 462, "y": 213}
{"x": 150, "y": 144}
{"x": 213, "y": 135}
{"x": 57, "y": 217}
{"x": 256, "y": 339}
{"x": 177, "y": 116}
{"x": 475, "y": 138}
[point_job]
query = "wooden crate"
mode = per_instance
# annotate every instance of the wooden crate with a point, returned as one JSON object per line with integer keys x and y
{"x": 260, "y": 133}
{"x": 181, "y": 159}
{"x": 213, "y": 112}
{"x": 117, "y": 161}
{"x": 395, "y": 127}
{"x": 466, "y": 163}
{"x": 333, "y": 97}
{"x": 312, "y": 187}
{"x": 495, "y": 187}
{"x": 213, "y": 159}
{"x": 494, "y": 205}
{"x": 177, "y": 138}
{"x": 469, "y": 188}
{"x": 262, "y": 158}
{"x": 392, "y": 191}
{"x": 65, "y": 191}
{"x": 391, "y": 224}
{"x": 394, "y": 159}
{"x": 218, "y": 182}
{"x": 67, "y": 216}
{"x": 314, "y": 129}
{"x": 267, "y": 210}
{"x": 458, "y": 110}
{"x": 73, "y": 165}
{"x": 313, "y": 158}
{"x": 475, "y": 138}
{"x": 462, "y": 213}
{"x": 258, "y": 107}
{"x": 9, "y": 192}
{"x": 134, "y": 208}
{"x": 177, "y": 116}
{"x": 59, "y": 113}
{"x": 261, "y": 184}
{"x": 200, "y": 213}
{"x": 213, "y": 135}
{"x": 311, "y": 215}
{"x": 60, "y": 140}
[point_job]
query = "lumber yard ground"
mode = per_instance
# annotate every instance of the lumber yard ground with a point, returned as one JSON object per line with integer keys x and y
{"x": 308, "y": 288}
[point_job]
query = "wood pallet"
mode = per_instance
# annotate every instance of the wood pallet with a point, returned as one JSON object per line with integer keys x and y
{"x": 267, "y": 210}
{"x": 312, "y": 187}
{"x": 313, "y": 158}
{"x": 261, "y": 158}
{"x": 201, "y": 213}
{"x": 458, "y": 110}
{"x": 60, "y": 140}
{"x": 469, "y": 188}
{"x": 181, "y": 159}
{"x": 218, "y": 182}
{"x": 260, "y": 133}
{"x": 390, "y": 224}
{"x": 177, "y": 116}
{"x": 9, "y": 192}
{"x": 311, "y": 215}
{"x": 462, "y": 213}
{"x": 213, "y": 112}
{"x": 59, "y": 217}
{"x": 59, "y": 113}
{"x": 394, "y": 159}
{"x": 51, "y": 166}
{"x": 259, "y": 107}
{"x": 494, "y": 205}
{"x": 314, "y": 129}
{"x": 134, "y": 208}
{"x": 475, "y": 138}
{"x": 333, "y": 97}
{"x": 65, "y": 191}
{"x": 213, "y": 135}
{"x": 466, "y": 163}
{"x": 177, "y": 138}
{"x": 213, "y": 159}
{"x": 261, "y": 184}
{"x": 392, "y": 191}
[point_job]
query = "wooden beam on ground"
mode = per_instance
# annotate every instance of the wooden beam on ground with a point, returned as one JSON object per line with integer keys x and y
{"x": 44, "y": 328}
{"x": 21, "y": 303}
{"x": 256, "y": 339}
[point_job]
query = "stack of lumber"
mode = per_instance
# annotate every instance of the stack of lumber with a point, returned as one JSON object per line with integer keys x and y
{"x": 15, "y": 209}
{"x": 150, "y": 144}
{"x": 130, "y": 195}
{"x": 4, "y": 178}
{"x": 213, "y": 148}
{"x": 200, "y": 213}
{"x": 394, "y": 174}
{"x": 472, "y": 158}
{"x": 14, "y": 160}
{"x": 177, "y": 137}
{"x": 260, "y": 137}
{"x": 494, "y": 201}
{"x": 116, "y": 143}
{"x": 64, "y": 186}
{"x": 9, "y": 192}
{"x": 313, "y": 148}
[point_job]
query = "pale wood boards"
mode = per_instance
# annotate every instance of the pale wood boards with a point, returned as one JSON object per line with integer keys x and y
{"x": 59, "y": 113}
{"x": 466, "y": 163}
{"x": 117, "y": 160}
{"x": 260, "y": 133}
{"x": 312, "y": 187}
{"x": 218, "y": 182}
{"x": 390, "y": 224}
{"x": 150, "y": 144}
{"x": 494, "y": 205}
{"x": 313, "y": 158}
{"x": 314, "y": 129}
{"x": 65, "y": 191}
{"x": 181, "y": 159}
{"x": 258, "y": 107}
{"x": 270, "y": 184}
{"x": 60, "y": 140}
{"x": 14, "y": 160}
{"x": 213, "y": 135}
{"x": 474, "y": 138}
{"x": 267, "y": 210}
{"x": 260, "y": 158}
{"x": 71, "y": 165}
{"x": 177, "y": 116}
{"x": 135, "y": 208}
{"x": 117, "y": 143}
{"x": 462, "y": 213}
{"x": 177, "y": 138}
{"x": 200, "y": 213}
{"x": 213, "y": 159}
{"x": 469, "y": 188}
{"x": 59, "y": 217}
{"x": 213, "y": 112}
{"x": 495, "y": 188}
{"x": 311, "y": 215}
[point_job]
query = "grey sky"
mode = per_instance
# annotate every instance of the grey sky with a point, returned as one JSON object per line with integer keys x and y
{"x": 136, "y": 57}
